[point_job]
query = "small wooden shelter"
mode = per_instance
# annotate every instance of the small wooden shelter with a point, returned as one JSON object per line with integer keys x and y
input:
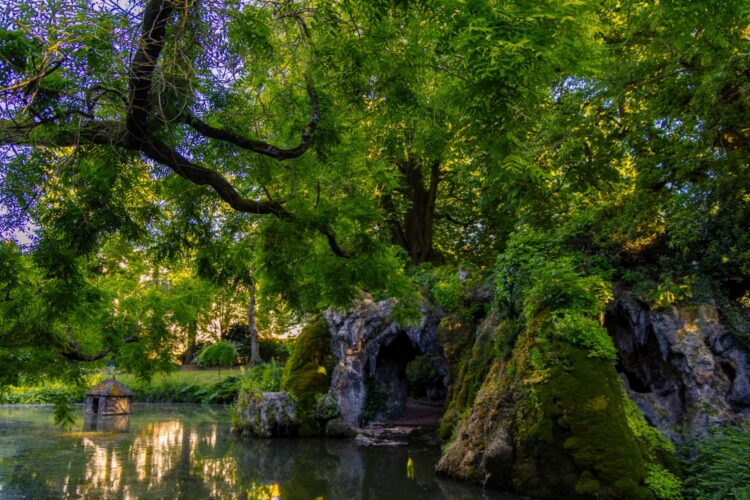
{"x": 109, "y": 397}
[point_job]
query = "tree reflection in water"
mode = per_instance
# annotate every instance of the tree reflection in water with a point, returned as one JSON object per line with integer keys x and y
{"x": 188, "y": 452}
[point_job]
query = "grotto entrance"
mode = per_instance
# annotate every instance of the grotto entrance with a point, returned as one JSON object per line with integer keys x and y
{"x": 405, "y": 385}
{"x": 648, "y": 373}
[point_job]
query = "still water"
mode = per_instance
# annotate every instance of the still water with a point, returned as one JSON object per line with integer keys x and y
{"x": 185, "y": 451}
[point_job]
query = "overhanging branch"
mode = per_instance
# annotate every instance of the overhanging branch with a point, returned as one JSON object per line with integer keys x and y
{"x": 135, "y": 133}
{"x": 261, "y": 147}
{"x": 74, "y": 351}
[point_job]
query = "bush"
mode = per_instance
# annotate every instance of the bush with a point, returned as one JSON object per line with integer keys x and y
{"x": 307, "y": 373}
{"x": 48, "y": 393}
{"x": 448, "y": 293}
{"x": 718, "y": 465}
{"x": 239, "y": 335}
{"x": 268, "y": 348}
{"x": 274, "y": 349}
{"x": 221, "y": 354}
{"x": 662, "y": 483}
{"x": 262, "y": 378}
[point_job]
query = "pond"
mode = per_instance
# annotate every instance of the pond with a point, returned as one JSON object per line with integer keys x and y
{"x": 185, "y": 451}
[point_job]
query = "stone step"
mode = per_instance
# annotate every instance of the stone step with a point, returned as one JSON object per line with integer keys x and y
{"x": 385, "y": 435}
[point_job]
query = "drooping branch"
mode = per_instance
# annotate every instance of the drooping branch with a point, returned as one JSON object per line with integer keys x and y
{"x": 261, "y": 147}
{"x": 111, "y": 133}
{"x": 136, "y": 134}
{"x": 162, "y": 153}
{"x": 74, "y": 351}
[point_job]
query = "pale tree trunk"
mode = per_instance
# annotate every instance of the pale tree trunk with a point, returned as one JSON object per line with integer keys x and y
{"x": 254, "y": 352}
{"x": 192, "y": 338}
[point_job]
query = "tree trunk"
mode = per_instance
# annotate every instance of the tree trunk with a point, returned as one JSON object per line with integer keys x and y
{"x": 254, "y": 352}
{"x": 414, "y": 231}
{"x": 191, "y": 348}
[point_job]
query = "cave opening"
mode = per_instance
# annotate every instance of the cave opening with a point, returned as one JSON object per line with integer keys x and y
{"x": 403, "y": 377}
{"x": 640, "y": 361}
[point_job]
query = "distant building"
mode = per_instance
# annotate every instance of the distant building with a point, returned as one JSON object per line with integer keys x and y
{"x": 109, "y": 397}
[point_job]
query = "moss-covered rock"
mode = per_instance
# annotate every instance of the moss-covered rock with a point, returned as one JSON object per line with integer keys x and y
{"x": 265, "y": 414}
{"x": 470, "y": 351}
{"x": 561, "y": 433}
{"x": 307, "y": 373}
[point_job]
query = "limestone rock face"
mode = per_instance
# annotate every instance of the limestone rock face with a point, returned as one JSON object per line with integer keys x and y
{"x": 266, "y": 414}
{"x": 681, "y": 366}
{"x": 368, "y": 345}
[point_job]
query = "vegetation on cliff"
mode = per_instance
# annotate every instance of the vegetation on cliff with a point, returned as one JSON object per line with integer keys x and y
{"x": 307, "y": 373}
{"x": 554, "y": 407}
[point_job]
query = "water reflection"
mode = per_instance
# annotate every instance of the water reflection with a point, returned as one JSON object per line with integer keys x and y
{"x": 109, "y": 423}
{"x": 188, "y": 452}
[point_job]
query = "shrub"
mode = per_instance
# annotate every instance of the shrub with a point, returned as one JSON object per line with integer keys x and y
{"x": 448, "y": 293}
{"x": 307, "y": 373}
{"x": 717, "y": 466}
{"x": 274, "y": 349}
{"x": 663, "y": 483}
{"x": 221, "y": 354}
{"x": 262, "y": 378}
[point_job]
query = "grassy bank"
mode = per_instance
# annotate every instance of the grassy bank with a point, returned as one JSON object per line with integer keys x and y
{"x": 200, "y": 386}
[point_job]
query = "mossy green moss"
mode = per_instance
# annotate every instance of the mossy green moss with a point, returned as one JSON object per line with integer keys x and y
{"x": 470, "y": 356}
{"x": 580, "y": 410}
{"x": 307, "y": 372}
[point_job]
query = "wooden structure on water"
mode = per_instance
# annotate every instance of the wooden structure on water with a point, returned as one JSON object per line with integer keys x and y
{"x": 109, "y": 397}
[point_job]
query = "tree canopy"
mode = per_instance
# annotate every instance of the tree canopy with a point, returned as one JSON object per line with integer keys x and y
{"x": 320, "y": 148}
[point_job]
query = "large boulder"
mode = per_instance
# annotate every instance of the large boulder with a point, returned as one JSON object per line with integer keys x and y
{"x": 371, "y": 351}
{"x": 681, "y": 365}
{"x": 265, "y": 414}
{"x": 564, "y": 433}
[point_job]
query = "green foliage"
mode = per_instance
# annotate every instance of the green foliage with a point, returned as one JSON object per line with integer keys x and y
{"x": 654, "y": 446}
{"x": 272, "y": 349}
{"x": 265, "y": 377}
{"x": 586, "y": 332}
{"x": 581, "y": 412}
{"x": 470, "y": 357}
{"x": 221, "y": 354}
{"x": 716, "y": 466}
{"x": 63, "y": 414}
{"x": 307, "y": 373}
{"x": 48, "y": 393}
{"x": 663, "y": 483}
{"x": 172, "y": 387}
{"x": 448, "y": 293}
{"x": 186, "y": 387}
{"x": 534, "y": 282}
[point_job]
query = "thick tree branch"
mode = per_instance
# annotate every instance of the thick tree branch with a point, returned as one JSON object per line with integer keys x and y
{"x": 155, "y": 18}
{"x": 74, "y": 351}
{"x": 162, "y": 153}
{"x": 135, "y": 133}
{"x": 261, "y": 147}
{"x": 111, "y": 133}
